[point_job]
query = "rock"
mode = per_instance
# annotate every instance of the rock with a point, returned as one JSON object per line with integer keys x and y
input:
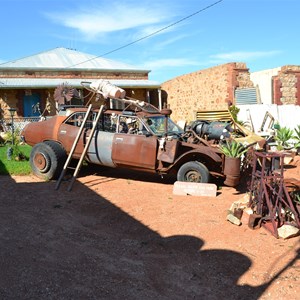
{"x": 234, "y": 220}
{"x": 288, "y": 231}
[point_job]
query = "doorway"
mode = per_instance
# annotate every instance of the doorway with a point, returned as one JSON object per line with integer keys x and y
{"x": 31, "y": 105}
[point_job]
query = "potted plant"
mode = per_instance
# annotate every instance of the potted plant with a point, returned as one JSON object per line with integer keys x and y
{"x": 233, "y": 152}
{"x": 233, "y": 149}
{"x": 283, "y": 136}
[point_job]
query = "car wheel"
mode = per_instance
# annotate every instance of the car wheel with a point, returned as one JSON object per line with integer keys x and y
{"x": 47, "y": 160}
{"x": 193, "y": 171}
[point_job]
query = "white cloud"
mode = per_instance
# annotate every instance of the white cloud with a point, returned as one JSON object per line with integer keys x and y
{"x": 117, "y": 16}
{"x": 242, "y": 56}
{"x": 169, "y": 62}
{"x": 170, "y": 41}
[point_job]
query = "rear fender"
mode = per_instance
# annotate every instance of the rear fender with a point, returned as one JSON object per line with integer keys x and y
{"x": 208, "y": 158}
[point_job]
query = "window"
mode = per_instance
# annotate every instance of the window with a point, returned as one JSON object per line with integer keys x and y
{"x": 109, "y": 122}
{"x": 131, "y": 125}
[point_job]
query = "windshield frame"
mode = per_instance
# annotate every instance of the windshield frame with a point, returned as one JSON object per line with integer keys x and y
{"x": 156, "y": 124}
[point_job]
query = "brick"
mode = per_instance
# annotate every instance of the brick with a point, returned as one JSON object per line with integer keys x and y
{"x": 194, "y": 189}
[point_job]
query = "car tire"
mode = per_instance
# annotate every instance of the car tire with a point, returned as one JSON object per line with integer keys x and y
{"x": 47, "y": 160}
{"x": 193, "y": 171}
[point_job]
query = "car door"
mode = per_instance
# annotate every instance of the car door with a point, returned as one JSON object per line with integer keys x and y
{"x": 68, "y": 131}
{"x": 99, "y": 151}
{"x": 137, "y": 149}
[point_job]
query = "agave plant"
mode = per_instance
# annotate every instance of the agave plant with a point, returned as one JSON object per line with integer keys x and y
{"x": 283, "y": 135}
{"x": 233, "y": 149}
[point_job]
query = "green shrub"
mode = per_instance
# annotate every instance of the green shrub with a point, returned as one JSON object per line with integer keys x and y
{"x": 283, "y": 136}
{"x": 297, "y": 136}
{"x": 19, "y": 163}
{"x": 10, "y": 138}
{"x": 234, "y": 110}
{"x": 233, "y": 149}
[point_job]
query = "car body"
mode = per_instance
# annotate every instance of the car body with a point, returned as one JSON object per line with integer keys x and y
{"x": 139, "y": 136}
{"x": 143, "y": 138}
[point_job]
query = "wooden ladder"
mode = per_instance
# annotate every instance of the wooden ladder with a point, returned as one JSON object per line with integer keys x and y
{"x": 68, "y": 161}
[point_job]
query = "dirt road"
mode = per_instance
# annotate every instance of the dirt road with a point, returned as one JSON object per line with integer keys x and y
{"x": 120, "y": 235}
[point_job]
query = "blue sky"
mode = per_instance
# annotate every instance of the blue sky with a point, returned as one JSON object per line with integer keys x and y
{"x": 262, "y": 33}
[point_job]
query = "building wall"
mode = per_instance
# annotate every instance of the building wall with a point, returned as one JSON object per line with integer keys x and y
{"x": 209, "y": 89}
{"x": 14, "y": 98}
{"x": 8, "y": 99}
{"x": 286, "y": 86}
{"x": 279, "y": 85}
{"x": 263, "y": 79}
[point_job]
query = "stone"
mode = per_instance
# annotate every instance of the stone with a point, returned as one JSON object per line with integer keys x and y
{"x": 288, "y": 231}
{"x": 234, "y": 220}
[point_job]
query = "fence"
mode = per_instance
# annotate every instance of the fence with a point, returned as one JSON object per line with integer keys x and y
{"x": 19, "y": 123}
{"x": 285, "y": 115}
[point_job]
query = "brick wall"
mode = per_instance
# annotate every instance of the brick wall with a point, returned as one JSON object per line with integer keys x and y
{"x": 14, "y": 98}
{"x": 209, "y": 89}
{"x": 74, "y": 75}
{"x": 8, "y": 99}
{"x": 286, "y": 86}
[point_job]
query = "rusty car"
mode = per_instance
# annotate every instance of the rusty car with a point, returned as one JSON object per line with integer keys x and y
{"x": 139, "y": 137}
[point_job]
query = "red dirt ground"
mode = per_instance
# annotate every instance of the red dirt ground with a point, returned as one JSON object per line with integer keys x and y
{"x": 120, "y": 234}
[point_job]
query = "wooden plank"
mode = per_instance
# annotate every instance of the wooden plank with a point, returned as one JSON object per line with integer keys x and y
{"x": 215, "y": 115}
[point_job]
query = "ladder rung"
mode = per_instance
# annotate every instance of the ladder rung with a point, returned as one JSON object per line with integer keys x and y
{"x": 89, "y": 139}
{"x": 68, "y": 161}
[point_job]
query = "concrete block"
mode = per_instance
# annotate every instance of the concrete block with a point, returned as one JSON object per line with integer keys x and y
{"x": 195, "y": 189}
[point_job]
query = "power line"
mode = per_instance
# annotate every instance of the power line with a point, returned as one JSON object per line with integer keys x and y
{"x": 151, "y": 34}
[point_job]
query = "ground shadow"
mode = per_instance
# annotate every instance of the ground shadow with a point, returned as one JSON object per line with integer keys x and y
{"x": 78, "y": 245}
{"x": 126, "y": 174}
{"x": 289, "y": 167}
{"x": 137, "y": 175}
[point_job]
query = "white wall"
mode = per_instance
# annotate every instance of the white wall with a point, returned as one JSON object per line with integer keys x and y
{"x": 263, "y": 79}
{"x": 286, "y": 115}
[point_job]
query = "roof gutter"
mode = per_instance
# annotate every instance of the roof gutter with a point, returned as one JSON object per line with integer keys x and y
{"x": 72, "y": 69}
{"x": 48, "y": 83}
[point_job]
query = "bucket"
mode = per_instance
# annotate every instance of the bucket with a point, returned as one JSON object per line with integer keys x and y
{"x": 232, "y": 166}
{"x": 232, "y": 180}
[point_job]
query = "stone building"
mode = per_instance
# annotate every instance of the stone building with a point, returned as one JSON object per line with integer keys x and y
{"x": 30, "y": 82}
{"x": 279, "y": 85}
{"x": 209, "y": 89}
{"x": 218, "y": 87}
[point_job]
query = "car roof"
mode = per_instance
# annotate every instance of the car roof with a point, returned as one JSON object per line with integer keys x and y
{"x": 143, "y": 110}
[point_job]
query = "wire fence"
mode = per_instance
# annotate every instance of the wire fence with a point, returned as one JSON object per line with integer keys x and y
{"x": 18, "y": 123}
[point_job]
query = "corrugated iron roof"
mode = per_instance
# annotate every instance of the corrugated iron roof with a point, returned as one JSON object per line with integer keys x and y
{"x": 63, "y": 58}
{"x": 6, "y": 83}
